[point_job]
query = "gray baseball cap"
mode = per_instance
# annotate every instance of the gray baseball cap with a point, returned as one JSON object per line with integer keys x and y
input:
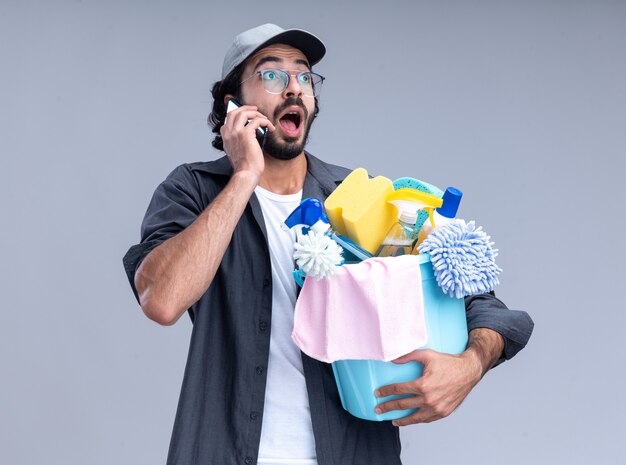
{"x": 251, "y": 41}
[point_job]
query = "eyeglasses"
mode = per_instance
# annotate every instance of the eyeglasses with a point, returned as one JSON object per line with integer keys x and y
{"x": 276, "y": 80}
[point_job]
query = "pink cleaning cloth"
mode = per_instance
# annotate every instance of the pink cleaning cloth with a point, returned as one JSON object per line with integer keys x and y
{"x": 372, "y": 310}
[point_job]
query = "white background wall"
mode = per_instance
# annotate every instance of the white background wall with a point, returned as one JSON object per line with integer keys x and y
{"x": 520, "y": 104}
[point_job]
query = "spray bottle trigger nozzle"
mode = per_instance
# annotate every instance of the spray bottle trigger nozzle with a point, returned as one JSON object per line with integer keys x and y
{"x": 309, "y": 212}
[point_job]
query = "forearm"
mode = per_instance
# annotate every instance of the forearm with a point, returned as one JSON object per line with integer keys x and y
{"x": 175, "y": 274}
{"x": 515, "y": 326}
{"x": 485, "y": 347}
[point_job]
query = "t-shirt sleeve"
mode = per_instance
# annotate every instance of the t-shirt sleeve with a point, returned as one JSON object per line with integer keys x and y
{"x": 175, "y": 204}
{"x": 515, "y": 326}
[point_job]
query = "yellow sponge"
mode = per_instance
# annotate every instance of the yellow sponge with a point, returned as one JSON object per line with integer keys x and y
{"x": 358, "y": 209}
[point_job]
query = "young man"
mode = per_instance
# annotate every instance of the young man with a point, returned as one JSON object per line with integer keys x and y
{"x": 211, "y": 245}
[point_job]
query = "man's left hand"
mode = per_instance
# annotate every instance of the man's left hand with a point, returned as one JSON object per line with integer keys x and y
{"x": 446, "y": 381}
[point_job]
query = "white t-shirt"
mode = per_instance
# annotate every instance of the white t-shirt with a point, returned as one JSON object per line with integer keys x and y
{"x": 287, "y": 432}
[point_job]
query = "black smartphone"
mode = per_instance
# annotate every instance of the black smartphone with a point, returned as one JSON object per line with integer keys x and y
{"x": 261, "y": 132}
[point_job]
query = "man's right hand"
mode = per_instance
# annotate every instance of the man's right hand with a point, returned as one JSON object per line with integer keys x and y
{"x": 174, "y": 275}
{"x": 240, "y": 142}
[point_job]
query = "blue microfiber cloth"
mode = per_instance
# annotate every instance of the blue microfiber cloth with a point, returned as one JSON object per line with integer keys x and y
{"x": 463, "y": 259}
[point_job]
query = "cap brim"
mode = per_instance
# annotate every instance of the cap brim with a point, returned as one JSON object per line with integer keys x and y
{"x": 312, "y": 48}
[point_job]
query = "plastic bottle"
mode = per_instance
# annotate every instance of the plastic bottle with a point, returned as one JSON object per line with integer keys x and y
{"x": 403, "y": 234}
{"x": 399, "y": 239}
{"x": 441, "y": 216}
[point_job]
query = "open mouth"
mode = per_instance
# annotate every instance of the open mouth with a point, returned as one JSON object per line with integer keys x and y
{"x": 291, "y": 121}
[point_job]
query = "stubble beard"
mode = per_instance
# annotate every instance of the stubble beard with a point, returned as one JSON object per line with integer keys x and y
{"x": 289, "y": 147}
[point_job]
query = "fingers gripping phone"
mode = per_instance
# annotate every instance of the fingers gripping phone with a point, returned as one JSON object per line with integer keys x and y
{"x": 261, "y": 132}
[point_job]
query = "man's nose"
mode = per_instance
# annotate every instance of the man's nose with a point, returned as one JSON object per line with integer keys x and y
{"x": 293, "y": 87}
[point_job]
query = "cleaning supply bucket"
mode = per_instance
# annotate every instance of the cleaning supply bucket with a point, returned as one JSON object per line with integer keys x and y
{"x": 447, "y": 332}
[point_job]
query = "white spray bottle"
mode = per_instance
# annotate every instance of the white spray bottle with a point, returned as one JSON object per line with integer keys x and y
{"x": 402, "y": 235}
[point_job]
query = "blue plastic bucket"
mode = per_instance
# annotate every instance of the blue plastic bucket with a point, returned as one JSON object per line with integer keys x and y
{"x": 447, "y": 332}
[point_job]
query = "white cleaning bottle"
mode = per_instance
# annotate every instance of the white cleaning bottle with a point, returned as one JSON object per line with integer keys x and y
{"x": 403, "y": 234}
{"x": 441, "y": 216}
